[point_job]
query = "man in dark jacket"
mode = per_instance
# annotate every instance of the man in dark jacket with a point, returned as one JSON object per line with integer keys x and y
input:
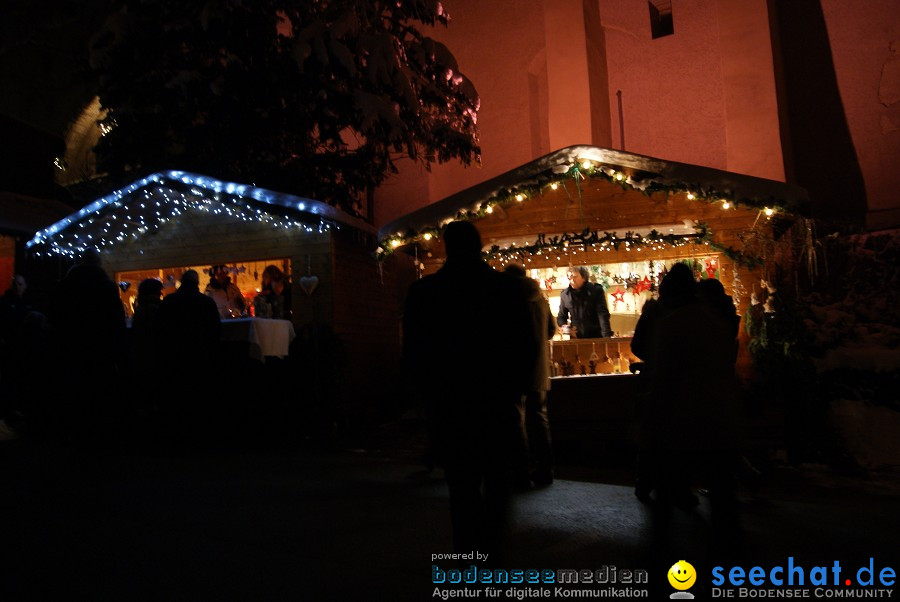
{"x": 471, "y": 374}
{"x": 189, "y": 326}
{"x": 586, "y": 303}
{"x": 188, "y": 330}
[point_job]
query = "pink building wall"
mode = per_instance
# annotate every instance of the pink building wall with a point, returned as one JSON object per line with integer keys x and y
{"x": 705, "y": 95}
{"x": 672, "y": 93}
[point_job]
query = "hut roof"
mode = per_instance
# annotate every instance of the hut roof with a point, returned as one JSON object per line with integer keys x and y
{"x": 148, "y": 203}
{"x": 574, "y": 168}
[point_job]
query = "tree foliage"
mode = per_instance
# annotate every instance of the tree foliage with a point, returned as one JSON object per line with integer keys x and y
{"x": 314, "y": 97}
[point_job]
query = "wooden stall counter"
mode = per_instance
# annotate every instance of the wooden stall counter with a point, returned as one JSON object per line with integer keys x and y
{"x": 592, "y": 413}
{"x": 588, "y": 357}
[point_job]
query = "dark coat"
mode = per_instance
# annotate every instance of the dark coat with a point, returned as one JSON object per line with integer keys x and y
{"x": 189, "y": 328}
{"x": 470, "y": 350}
{"x": 692, "y": 403}
{"x": 587, "y": 306}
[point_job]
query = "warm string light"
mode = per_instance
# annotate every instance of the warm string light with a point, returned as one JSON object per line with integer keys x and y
{"x": 153, "y": 202}
{"x": 583, "y": 168}
{"x": 575, "y": 243}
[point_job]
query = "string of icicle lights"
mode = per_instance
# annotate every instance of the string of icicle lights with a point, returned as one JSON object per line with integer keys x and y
{"x": 148, "y": 204}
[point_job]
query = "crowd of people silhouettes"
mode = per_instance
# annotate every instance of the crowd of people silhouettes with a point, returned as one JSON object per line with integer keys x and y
{"x": 485, "y": 394}
{"x": 67, "y": 362}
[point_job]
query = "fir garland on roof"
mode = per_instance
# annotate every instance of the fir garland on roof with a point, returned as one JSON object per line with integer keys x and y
{"x": 647, "y": 183}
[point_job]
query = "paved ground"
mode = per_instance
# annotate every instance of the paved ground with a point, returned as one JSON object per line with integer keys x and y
{"x": 258, "y": 523}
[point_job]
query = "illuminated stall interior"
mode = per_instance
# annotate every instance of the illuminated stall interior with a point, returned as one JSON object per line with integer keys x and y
{"x": 246, "y": 275}
{"x": 626, "y": 217}
{"x": 168, "y": 222}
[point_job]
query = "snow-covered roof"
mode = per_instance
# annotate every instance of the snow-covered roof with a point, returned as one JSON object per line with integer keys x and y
{"x": 150, "y": 202}
{"x": 629, "y": 170}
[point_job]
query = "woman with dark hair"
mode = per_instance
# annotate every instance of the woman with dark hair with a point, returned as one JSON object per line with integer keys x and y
{"x": 274, "y": 298}
{"x": 226, "y": 294}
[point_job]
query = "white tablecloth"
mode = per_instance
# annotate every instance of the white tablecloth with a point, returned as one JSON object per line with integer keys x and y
{"x": 267, "y": 338}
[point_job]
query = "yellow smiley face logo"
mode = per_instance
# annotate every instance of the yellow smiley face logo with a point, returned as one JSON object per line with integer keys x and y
{"x": 682, "y": 575}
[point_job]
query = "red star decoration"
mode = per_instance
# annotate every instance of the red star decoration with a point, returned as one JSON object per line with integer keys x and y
{"x": 643, "y": 285}
{"x": 618, "y": 295}
{"x": 711, "y": 266}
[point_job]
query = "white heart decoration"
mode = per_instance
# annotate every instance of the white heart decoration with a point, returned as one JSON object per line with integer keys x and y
{"x": 309, "y": 284}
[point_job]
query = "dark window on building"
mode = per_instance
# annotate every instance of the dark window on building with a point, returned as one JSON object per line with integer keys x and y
{"x": 661, "y": 18}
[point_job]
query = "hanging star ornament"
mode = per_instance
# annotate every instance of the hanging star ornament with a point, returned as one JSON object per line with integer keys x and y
{"x": 642, "y": 285}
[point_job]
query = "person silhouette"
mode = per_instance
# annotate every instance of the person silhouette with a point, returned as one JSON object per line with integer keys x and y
{"x": 89, "y": 328}
{"x": 145, "y": 344}
{"x": 536, "y": 420}
{"x": 189, "y": 326}
{"x": 189, "y": 329}
{"x": 89, "y": 317}
{"x": 688, "y": 428}
{"x": 676, "y": 290}
{"x": 469, "y": 349}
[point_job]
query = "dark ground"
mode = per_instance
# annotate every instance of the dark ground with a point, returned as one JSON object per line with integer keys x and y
{"x": 360, "y": 521}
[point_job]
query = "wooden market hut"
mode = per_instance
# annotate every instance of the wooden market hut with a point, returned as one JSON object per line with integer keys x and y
{"x": 168, "y": 222}
{"x": 628, "y": 217}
